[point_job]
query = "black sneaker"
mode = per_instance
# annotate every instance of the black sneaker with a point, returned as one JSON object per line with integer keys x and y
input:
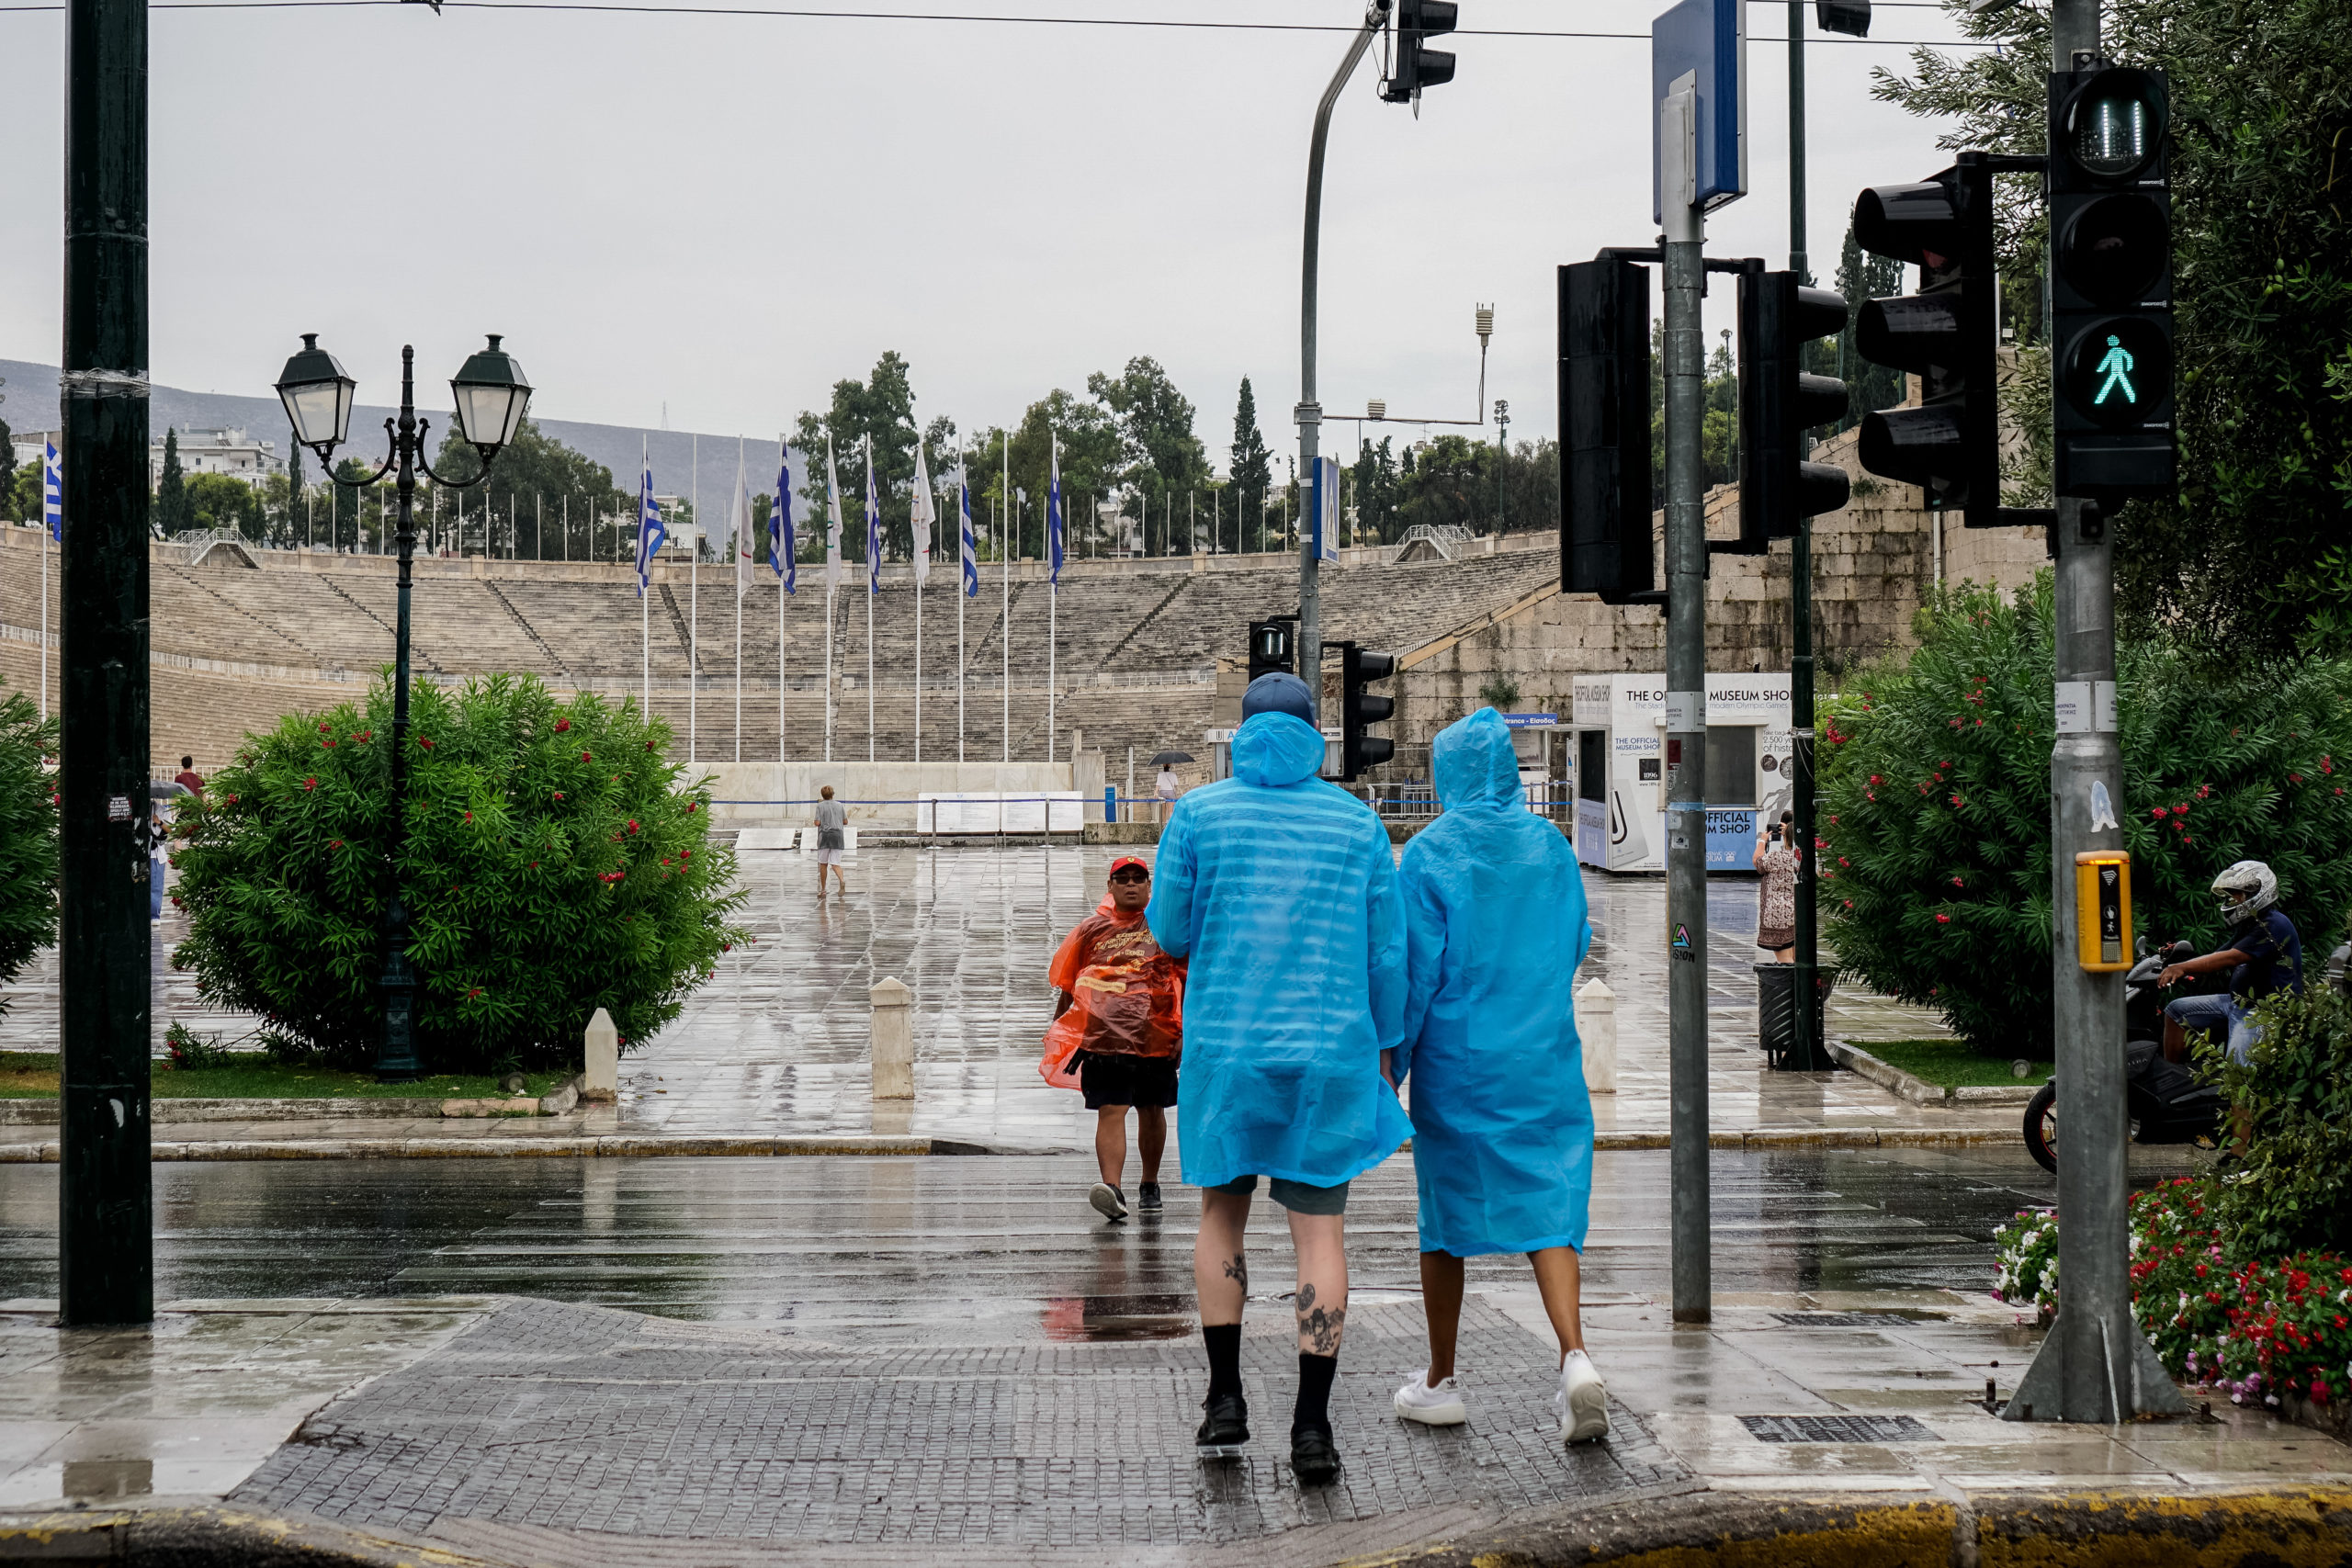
{"x": 1147, "y": 1198}
{"x": 1108, "y": 1201}
{"x": 1312, "y": 1457}
{"x": 1225, "y": 1428}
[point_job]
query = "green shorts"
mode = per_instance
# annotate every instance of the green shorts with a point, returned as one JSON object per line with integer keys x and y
{"x": 1298, "y": 1197}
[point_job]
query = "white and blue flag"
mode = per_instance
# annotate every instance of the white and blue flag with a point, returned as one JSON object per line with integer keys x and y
{"x": 969, "y": 547}
{"x": 650, "y": 533}
{"x": 52, "y": 491}
{"x": 784, "y": 549}
{"x": 833, "y": 518}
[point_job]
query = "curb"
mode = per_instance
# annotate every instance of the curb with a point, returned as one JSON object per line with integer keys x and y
{"x": 1718, "y": 1529}
{"x": 2014, "y": 1529}
{"x": 1919, "y": 1090}
{"x": 756, "y": 1146}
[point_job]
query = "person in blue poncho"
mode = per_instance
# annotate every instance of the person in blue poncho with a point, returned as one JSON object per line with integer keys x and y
{"x": 1502, "y": 1124}
{"x": 1281, "y": 891}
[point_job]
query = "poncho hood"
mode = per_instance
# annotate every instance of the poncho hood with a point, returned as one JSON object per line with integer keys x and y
{"x": 1475, "y": 765}
{"x": 1275, "y": 751}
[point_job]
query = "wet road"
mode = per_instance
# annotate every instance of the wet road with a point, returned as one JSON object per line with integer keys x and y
{"x": 966, "y": 1250}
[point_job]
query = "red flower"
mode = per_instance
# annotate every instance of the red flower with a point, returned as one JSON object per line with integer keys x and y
{"x": 2158, "y": 811}
{"x": 585, "y": 758}
{"x": 1876, "y": 779}
{"x": 632, "y": 824}
{"x": 558, "y": 795}
{"x": 1844, "y": 861}
{"x": 1957, "y": 803}
{"x": 690, "y": 808}
{"x": 310, "y": 783}
{"x": 322, "y": 729}
{"x": 535, "y": 865}
{"x": 421, "y": 740}
{"x": 561, "y": 725}
{"x": 649, "y": 745}
{"x": 1956, "y": 882}
{"x": 473, "y": 994}
{"x": 2204, "y": 789}
{"x": 469, "y": 815}
{"x": 1943, "y": 919}
{"x": 2327, "y": 765}
{"x": 725, "y": 947}
{"x": 233, "y": 799}
{"x": 2294, "y": 778}
{"x": 364, "y": 735}
{"x": 328, "y": 744}
{"x": 334, "y": 844}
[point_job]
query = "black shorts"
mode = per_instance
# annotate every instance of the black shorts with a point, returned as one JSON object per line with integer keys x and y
{"x": 1127, "y": 1080}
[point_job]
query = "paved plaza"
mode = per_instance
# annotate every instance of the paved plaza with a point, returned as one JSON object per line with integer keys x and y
{"x": 777, "y": 1046}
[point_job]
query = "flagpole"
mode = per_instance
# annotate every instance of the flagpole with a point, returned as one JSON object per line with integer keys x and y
{"x": 44, "y": 615}
{"x": 962, "y": 528}
{"x": 741, "y": 524}
{"x": 787, "y": 561}
{"x": 1004, "y": 576}
{"x": 694, "y": 603}
{"x": 644, "y": 587}
{"x": 1054, "y": 586}
{"x": 918, "y": 666}
{"x": 873, "y": 587}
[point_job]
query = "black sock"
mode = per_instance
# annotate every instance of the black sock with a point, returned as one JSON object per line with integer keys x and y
{"x": 1315, "y": 1375}
{"x": 1225, "y": 1357}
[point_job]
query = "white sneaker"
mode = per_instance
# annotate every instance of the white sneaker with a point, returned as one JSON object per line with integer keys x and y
{"x": 1581, "y": 1402}
{"x": 1108, "y": 1201}
{"x": 1439, "y": 1406}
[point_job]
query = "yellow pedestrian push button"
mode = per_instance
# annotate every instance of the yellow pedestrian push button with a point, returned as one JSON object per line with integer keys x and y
{"x": 2103, "y": 910}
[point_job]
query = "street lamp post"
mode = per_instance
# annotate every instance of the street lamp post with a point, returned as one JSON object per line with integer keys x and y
{"x": 491, "y": 394}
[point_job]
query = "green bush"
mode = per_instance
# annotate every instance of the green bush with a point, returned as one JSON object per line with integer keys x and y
{"x": 2292, "y": 1191}
{"x": 1935, "y": 816}
{"x": 27, "y": 835}
{"x": 553, "y": 864}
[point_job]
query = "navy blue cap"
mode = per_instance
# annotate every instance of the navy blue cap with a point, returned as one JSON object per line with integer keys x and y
{"x": 1278, "y": 692}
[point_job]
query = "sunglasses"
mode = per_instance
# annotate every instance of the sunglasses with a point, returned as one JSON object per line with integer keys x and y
{"x": 1131, "y": 876}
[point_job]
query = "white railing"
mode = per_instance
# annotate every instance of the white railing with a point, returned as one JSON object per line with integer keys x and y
{"x": 1446, "y": 538}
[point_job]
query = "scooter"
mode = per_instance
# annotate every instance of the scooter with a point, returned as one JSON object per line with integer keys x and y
{"x": 2166, "y": 1101}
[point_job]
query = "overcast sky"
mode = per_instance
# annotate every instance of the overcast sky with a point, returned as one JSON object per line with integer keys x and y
{"x": 726, "y": 214}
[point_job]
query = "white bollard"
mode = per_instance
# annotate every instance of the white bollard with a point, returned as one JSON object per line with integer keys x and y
{"x": 1597, "y": 1024}
{"x": 894, "y": 1040}
{"x": 602, "y": 1078}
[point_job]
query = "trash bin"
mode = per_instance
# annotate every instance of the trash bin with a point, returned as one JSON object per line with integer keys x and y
{"x": 1776, "y": 985}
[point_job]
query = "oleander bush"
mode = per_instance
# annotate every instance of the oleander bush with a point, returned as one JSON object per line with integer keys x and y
{"x": 1934, "y": 837}
{"x": 556, "y": 861}
{"x": 2292, "y": 1191}
{"x": 27, "y": 835}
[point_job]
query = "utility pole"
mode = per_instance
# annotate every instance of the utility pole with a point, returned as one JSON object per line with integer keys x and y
{"x": 1310, "y": 412}
{"x": 2094, "y": 1365}
{"x": 105, "y": 1202}
{"x": 1686, "y": 710}
{"x": 1804, "y": 1049}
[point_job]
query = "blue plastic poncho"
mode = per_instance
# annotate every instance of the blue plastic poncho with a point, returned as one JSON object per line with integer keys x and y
{"x": 1502, "y": 1124}
{"x": 1282, "y": 892}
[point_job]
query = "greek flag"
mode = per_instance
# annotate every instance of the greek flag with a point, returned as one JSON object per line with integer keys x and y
{"x": 784, "y": 550}
{"x": 52, "y": 491}
{"x": 833, "y": 518}
{"x": 649, "y": 531}
{"x": 970, "y": 548}
{"x": 873, "y": 526}
{"x": 1054, "y": 516}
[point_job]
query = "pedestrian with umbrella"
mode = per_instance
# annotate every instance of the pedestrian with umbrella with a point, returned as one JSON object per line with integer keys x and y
{"x": 1167, "y": 787}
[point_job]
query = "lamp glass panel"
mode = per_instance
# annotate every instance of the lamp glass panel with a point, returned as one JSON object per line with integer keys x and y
{"x": 321, "y": 411}
{"x": 521, "y": 400}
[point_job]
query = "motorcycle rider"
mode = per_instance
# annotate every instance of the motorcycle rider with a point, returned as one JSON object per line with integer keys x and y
{"x": 2265, "y": 955}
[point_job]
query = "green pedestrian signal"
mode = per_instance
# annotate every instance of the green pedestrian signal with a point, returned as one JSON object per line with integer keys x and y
{"x": 2117, "y": 367}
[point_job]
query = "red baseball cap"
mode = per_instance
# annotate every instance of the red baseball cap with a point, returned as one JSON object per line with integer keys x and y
{"x": 1124, "y": 861}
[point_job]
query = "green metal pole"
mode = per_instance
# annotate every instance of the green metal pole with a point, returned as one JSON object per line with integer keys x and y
{"x": 1806, "y": 1049}
{"x": 1797, "y": 257}
{"x": 396, "y": 1059}
{"x": 105, "y": 1205}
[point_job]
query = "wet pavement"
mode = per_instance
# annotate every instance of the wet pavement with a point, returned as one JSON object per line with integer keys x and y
{"x": 776, "y": 1045}
{"x": 558, "y": 1362}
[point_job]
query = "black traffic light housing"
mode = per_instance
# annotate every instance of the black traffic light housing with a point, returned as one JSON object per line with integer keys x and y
{"x": 1851, "y": 17}
{"x": 1606, "y": 543}
{"x": 2110, "y": 286}
{"x": 1778, "y": 402}
{"x": 1359, "y": 708}
{"x": 1418, "y": 67}
{"x": 1271, "y": 646}
{"x": 1950, "y": 445}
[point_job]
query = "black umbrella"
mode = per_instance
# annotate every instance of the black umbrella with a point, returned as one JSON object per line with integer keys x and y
{"x": 1165, "y": 758}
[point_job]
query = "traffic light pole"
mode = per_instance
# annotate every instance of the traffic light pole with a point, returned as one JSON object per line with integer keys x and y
{"x": 106, "y": 1202}
{"x": 1804, "y": 1049}
{"x": 1310, "y": 412}
{"x": 1686, "y": 726}
{"x": 2094, "y": 1365}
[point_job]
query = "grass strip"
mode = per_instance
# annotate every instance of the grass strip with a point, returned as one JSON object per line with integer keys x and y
{"x": 1950, "y": 1063}
{"x": 32, "y": 1075}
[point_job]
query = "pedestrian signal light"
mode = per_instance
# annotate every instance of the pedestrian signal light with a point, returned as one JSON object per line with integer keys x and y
{"x": 2103, "y": 910}
{"x": 1268, "y": 648}
{"x": 2110, "y": 286}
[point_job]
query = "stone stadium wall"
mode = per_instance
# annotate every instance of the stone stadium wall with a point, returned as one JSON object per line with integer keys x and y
{"x": 239, "y": 639}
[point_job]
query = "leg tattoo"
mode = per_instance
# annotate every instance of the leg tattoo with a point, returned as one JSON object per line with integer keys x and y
{"x": 1238, "y": 1270}
{"x": 1320, "y": 1326}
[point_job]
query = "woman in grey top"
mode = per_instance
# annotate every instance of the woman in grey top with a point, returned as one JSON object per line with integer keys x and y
{"x": 832, "y": 816}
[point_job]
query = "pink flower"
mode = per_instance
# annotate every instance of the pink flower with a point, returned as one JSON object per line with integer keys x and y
{"x": 1956, "y": 882}
{"x": 1943, "y": 919}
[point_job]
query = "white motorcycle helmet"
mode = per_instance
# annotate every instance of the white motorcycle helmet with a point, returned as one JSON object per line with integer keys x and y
{"x": 2245, "y": 890}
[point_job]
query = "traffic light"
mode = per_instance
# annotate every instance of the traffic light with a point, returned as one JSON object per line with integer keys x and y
{"x": 1268, "y": 648}
{"x": 1359, "y": 707}
{"x": 1418, "y": 67}
{"x": 1778, "y": 402}
{"x": 1851, "y": 17}
{"x": 2112, "y": 331}
{"x": 1950, "y": 445}
{"x": 1605, "y": 500}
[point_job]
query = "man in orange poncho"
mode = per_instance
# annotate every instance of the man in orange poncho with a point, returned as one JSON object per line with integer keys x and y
{"x": 1118, "y": 1016}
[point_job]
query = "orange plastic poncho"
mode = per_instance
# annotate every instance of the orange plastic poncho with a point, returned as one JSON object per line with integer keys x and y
{"x": 1126, "y": 997}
